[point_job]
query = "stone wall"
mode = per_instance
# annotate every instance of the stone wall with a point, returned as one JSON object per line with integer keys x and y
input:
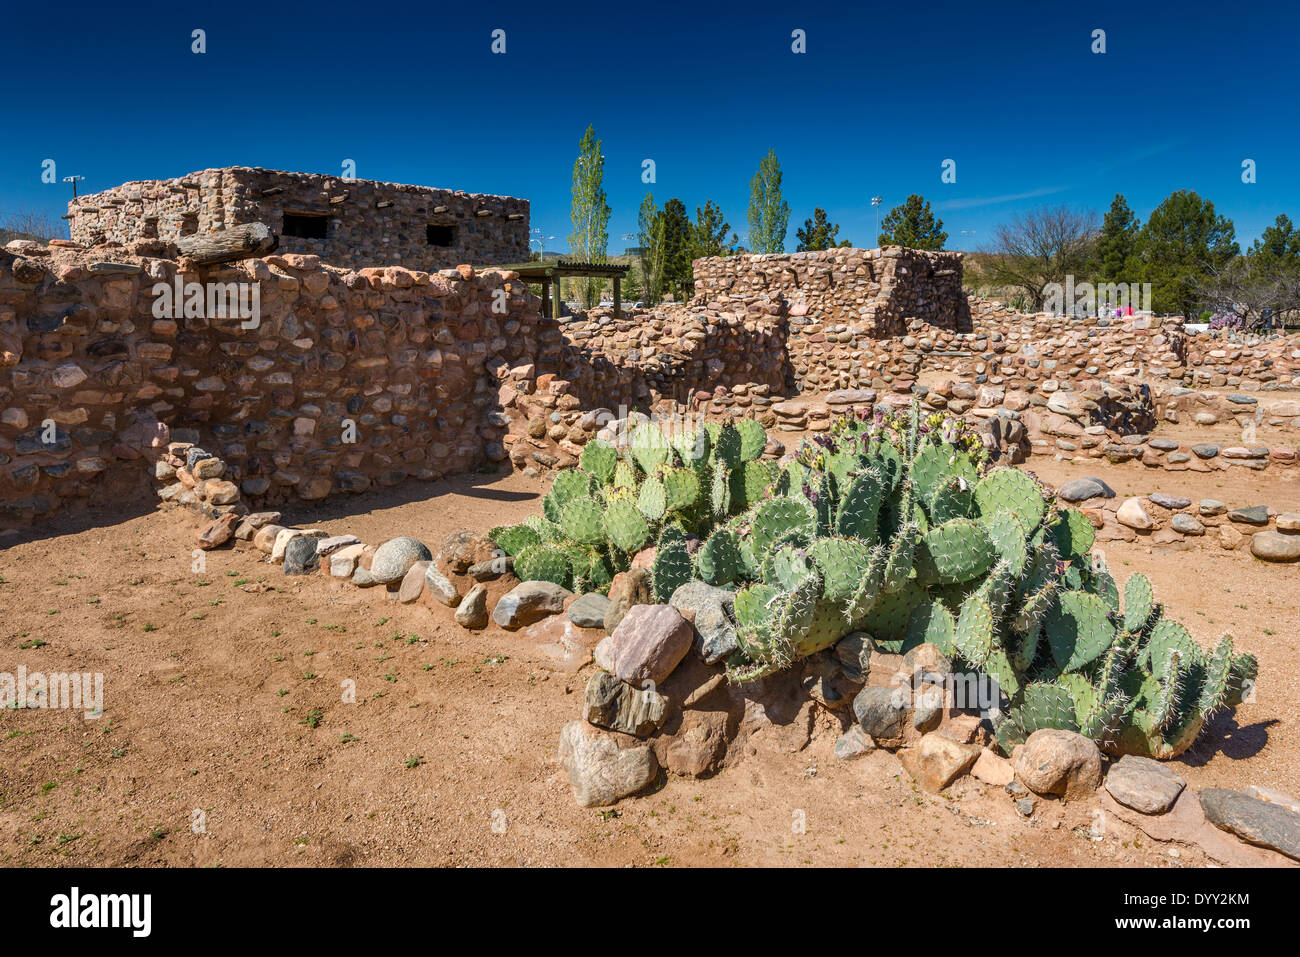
{"x": 870, "y": 292}
{"x": 350, "y": 378}
{"x": 367, "y": 223}
{"x": 682, "y": 352}
{"x": 1016, "y": 349}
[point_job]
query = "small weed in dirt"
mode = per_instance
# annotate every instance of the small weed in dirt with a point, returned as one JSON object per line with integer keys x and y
{"x": 415, "y": 761}
{"x": 313, "y": 718}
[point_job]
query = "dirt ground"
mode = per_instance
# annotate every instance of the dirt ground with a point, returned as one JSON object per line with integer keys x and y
{"x": 225, "y": 740}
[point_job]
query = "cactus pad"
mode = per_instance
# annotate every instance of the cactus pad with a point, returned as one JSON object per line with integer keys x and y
{"x": 600, "y": 459}
{"x": 681, "y": 489}
{"x": 1073, "y": 534}
{"x": 775, "y": 518}
{"x": 544, "y": 564}
{"x": 625, "y": 526}
{"x": 1139, "y": 602}
{"x": 842, "y": 563}
{"x": 955, "y": 552}
{"x": 1009, "y": 490}
{"x": 753, "y": 440}
{"x": 672, "y": 565}
{"x": 1079, "y": 630}
{"x": 583, "y": 521}
{"x": 515, "y": 538}
{"x": 719, "y": 561}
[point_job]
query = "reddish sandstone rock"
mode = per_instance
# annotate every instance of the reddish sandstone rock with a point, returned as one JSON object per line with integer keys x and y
{"x": 649, "y": 643}
{"x": 1059, "y": 762}
{"x": 628, "y": 588}
{"x": 935, "y": 761}
{"x": 217, "y": 532}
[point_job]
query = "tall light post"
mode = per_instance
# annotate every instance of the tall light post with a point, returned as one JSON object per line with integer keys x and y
{"x": 876, "y": 201}
{"x": 540, "y": 239}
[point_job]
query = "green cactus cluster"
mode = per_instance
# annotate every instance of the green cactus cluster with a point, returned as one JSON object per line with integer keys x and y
{"x": 898, "y": 526}
{"x": 663, "y": 488}
{"x": 1129, "y": 678}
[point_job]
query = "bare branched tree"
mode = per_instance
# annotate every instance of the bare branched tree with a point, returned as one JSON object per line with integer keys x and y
{"x": 32, "y": 224}
{"x": 1248, "y": 286}
{"x": 1039, "y": 247}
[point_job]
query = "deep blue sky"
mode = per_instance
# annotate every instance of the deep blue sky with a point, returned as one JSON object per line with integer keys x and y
{"x": 884, "y": 94}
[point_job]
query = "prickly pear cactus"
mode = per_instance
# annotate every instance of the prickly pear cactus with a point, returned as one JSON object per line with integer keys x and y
{"x": 895, "y": 525}
{"x": 1134, "y": 682}
{"x": 982, "y": 563}
{"x": 620, "y": 500}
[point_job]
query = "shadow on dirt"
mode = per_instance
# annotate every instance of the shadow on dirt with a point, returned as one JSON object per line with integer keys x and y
{"x": 1224, "y": 735}
{"x": 476, "y": 485}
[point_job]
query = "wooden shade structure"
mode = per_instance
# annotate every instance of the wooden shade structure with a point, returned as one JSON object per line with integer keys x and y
{"x": 549, "y": 272}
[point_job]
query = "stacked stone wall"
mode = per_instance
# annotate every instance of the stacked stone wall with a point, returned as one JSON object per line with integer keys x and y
{"x": 367, "y": 223}
{"x": 350, "y": 378}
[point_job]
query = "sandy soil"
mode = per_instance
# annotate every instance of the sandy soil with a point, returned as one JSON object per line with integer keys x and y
{"x": 223, "y": 695}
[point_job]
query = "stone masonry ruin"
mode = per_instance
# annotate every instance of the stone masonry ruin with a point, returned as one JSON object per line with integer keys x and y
{"x": 362, "y": 377}
{"x": 347, "y": 222}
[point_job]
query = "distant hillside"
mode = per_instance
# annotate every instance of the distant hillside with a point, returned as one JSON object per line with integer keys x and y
{"x": 9, "y": 235}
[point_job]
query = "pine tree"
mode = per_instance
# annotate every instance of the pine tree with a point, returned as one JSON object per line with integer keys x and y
{"x": 769, "y": 213}
{"x": 709, "y": 232}
{"x": 677, "y": 248}
{"x": 818, "y": 233}
{"x": 1278, "y": 244}
{"x": 1183, "y": 240}
{"x": 914, "y": 225}
{"x": 590, "y": 212}
{"x": 1117, "y": 242}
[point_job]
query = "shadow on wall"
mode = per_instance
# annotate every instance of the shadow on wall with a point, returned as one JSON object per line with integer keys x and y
{"x": 679, "y": 352}
{"x": 347, "y": 380}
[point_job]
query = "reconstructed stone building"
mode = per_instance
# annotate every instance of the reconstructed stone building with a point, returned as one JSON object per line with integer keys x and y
{"x": 347, "y": 222}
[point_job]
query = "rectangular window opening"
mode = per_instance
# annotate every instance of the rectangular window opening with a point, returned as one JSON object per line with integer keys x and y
{"x": 305, "y": 225}
{"x": 440, "y": 235}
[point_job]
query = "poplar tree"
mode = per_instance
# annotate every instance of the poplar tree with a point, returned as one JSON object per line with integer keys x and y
{"x": 589, "y": 240}
{"x": 769, "y": 213}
